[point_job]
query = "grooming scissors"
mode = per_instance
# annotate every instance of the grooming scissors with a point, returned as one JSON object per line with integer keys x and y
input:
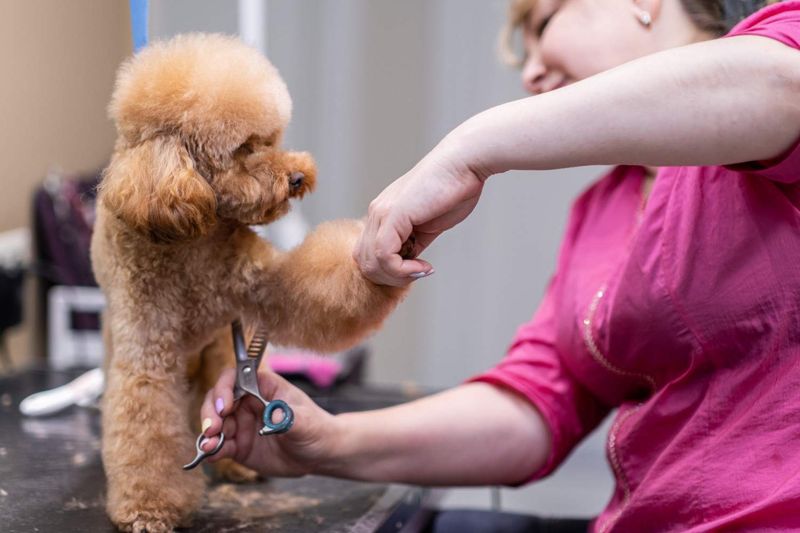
{"x": 247, "y": 361}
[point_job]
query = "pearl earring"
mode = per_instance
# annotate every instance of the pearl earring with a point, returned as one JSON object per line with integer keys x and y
{"x": 645, "y": 19}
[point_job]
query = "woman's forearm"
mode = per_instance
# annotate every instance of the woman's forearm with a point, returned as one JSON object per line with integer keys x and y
{"x": 475, "y": 434}
{"x": 719, "y": 102}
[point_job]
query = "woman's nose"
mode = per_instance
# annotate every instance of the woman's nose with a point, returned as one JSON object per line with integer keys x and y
{"x": 533, "y": 72}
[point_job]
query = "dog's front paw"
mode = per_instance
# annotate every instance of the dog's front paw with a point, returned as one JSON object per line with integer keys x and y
{"x": 155, "y": 511}
{"x": 230, "y": 470}
{"x": 147, "y": 522}
{"x": 150, "y": 525}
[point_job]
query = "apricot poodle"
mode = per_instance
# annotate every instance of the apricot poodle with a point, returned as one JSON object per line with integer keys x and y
{"x": 197, "y": 160}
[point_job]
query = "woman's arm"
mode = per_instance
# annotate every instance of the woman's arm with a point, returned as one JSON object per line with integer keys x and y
{"x": 474, "y": 434}
{"x": 718, "y": 102}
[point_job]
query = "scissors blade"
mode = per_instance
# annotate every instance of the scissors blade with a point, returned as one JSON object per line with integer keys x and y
{"x": 247, "y": 361}
{"x": 258, "y": 344}
{"x": 238, "y": 341}
{"x": 247, "y": 377}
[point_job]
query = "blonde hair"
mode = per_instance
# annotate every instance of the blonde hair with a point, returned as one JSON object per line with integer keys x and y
{"x": 516, "y": 17}
{"x": 716, "y": 17}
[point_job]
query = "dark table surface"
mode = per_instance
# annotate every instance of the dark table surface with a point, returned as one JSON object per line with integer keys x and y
{"x": 51, "y": 475}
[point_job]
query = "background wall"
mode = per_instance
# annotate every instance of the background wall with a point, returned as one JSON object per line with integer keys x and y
{"x": 58, "y": 61}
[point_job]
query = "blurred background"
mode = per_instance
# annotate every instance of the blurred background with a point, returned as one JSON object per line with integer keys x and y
{"x": 375, "y": 84}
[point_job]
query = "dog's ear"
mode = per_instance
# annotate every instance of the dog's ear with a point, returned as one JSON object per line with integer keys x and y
{"x": 154, "y": 188}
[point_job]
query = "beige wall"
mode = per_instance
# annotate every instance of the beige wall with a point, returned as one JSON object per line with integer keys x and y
{"x": 57, "y": 64}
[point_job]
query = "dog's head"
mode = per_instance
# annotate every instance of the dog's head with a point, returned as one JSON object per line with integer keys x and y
{"x": 199, "y": 121}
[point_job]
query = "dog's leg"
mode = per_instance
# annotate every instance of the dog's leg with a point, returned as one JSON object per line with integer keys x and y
{"x": 146, "y": 439}
{"x": 318, "y": 298}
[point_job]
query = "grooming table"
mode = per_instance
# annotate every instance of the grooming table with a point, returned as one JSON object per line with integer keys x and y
{"x": 51, "y": 475}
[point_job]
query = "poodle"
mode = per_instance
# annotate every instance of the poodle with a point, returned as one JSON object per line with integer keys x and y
{"x": 197, "y": 161}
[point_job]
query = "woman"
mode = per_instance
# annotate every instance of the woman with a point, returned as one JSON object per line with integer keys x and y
{"x": 675, "y": 297}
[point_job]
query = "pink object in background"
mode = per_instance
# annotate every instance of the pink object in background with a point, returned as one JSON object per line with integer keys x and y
{"x": 321, "y": 370}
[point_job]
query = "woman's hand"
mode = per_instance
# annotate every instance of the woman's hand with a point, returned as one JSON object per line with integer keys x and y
{"x": 435, "y": 195}
{"x": 295, "y": 453}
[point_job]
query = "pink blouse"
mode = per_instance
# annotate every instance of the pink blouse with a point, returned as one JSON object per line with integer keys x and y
{"x": 685, "y": 315}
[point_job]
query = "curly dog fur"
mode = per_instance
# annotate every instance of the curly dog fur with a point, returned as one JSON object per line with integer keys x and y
{"x": 197, "y": 160}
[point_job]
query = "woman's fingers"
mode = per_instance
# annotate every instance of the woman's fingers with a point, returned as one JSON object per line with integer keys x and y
{"x": 271, "y": 385}
{"x": 423, "y": 240}
{"x": 228, "y": 428}
{"x": 250, "y": 419}
{"x": 209, "y": 443}
{"x": 229, "y": 449}
{"x": 377, "y": 250}
{"x": 247, "y": 418}
{"x": 364, "y": 253}
{"x": 394, "y": 270}
{"x": 217, "y": 403}
{"x": 211, "y": 422}
{"x": 223, "y": 392}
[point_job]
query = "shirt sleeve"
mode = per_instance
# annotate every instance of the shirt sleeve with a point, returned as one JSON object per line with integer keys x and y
{"x": 533, "y": 368}
{"x": 781, "y": 22}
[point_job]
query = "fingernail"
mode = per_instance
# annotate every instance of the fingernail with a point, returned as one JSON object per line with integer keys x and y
{"x": 219, "y": 405}
{"x": 206, "y": 424}
{"x": 418, "y": 275}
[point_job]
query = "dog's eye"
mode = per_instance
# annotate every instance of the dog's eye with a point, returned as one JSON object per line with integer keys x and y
{"x": 272, "y": 140}
{"x": 245, "y": 149}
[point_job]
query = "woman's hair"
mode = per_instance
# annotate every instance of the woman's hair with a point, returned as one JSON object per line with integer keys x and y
{"x": 516, "y": 17}
{"x": 716, "y": 17}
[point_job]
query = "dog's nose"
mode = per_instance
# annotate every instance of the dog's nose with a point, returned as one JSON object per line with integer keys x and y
{"x": 296, "y": 180}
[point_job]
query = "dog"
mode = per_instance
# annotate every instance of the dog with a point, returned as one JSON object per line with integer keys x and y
{"x": 197, "y": 161}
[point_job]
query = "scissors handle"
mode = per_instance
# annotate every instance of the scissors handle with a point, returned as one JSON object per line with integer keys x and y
{"x": 274, "y": 428}
{"x": 247, "y": 362}
{"x": 201, "y": 454}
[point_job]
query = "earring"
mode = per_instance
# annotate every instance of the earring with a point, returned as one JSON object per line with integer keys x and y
{"x": 645, "y": 19}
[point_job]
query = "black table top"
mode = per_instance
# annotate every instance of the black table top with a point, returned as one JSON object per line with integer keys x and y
{"x": 51, "y": 475}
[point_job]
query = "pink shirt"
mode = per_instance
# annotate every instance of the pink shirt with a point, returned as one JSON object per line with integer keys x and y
{"x": 684, "y": 314}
